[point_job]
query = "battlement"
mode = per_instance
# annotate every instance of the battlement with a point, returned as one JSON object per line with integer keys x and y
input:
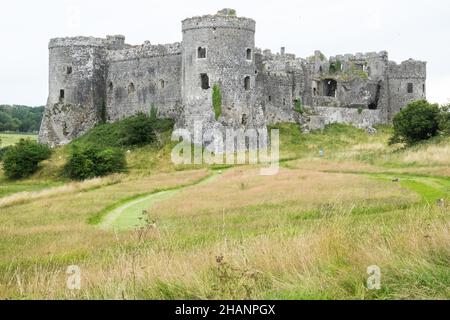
{"x": 77, "y": 42}
{"x": 146, "y": 50}
{"x": 225, "y": 18}
{"x": 382, "y": 55}
{"x": 408, "y": 69}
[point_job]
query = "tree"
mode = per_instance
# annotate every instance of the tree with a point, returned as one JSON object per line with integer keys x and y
{"x": 418, "y": 121}
{"x": 444, "y": 120}
{"x": 22, "y": 159}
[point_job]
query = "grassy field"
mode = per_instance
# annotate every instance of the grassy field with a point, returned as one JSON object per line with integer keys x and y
{"x": 309, "y": 232}
{"x": 7, "y": 139}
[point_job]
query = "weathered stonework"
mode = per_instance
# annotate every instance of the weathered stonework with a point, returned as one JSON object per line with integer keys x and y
{"x": 93, "y": 80}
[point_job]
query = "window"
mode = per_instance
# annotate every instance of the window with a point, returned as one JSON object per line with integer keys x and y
{"x": 131, "y": 88}
{"x": 244, "y": 119}
{"x": 410, "y": 88}
{"x": 204, "y": 81}
{"x": 423, "y": 88}
{"x": 162, "y": 84}
{"x": 110, "y": 87}
{"x": 270, "y": 98}
{"x": 329, "y": 87}
{"x": 249, "y": 54}
{"x": 61, "y": 95}
{"x": 247, "y": 83}
{"x": 69, "y": 69}
{"x": 284, "y": 102}
{"x": 201, "y": 53}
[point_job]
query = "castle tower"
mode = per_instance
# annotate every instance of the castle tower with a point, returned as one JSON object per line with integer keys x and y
{"x": 76, "y": 88}
{"x": 220, "y": 50}
{"x": 407, "y": 83}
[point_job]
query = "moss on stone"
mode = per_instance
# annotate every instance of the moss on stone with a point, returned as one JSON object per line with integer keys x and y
{"x": 217, "y": 101}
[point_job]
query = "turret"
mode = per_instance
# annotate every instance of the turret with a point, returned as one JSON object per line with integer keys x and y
{"x": 219, "y": 50}
{"x": 76, "y": 88}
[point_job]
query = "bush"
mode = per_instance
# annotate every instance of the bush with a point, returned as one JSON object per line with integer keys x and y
{"x": 90, "y": 161}
{"x": 444, "y": 120}
{"x": 137, "y": 130}
{"x": 22, "y": 159}
{"x": 3, "y": 151}
{"x": 298, "y": 106}
{"x": 134, "y": 131}
{"x": 417, "y": 122}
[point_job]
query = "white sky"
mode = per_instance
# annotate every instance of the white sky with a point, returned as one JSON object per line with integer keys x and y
{"x": 406, "y": 29}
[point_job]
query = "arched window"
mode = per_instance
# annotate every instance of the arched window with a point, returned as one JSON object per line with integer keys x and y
{"x": 249, "y": 54}
{"x": 110, "y": 87}
{"x": 247, "y": 83}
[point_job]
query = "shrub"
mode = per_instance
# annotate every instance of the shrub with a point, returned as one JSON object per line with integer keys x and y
{"x": 22, "y": 159}
{"x": 89, "y": 161}
{"x": 136, "y": 130}
{"x": 3, "y": 151}
{"x": 217, "y": 101}
{"x": 444, "y": 120}
{"x": 153, "y": 112}
{"x": 298, "y": 106}
{"x": 418, "y": 121}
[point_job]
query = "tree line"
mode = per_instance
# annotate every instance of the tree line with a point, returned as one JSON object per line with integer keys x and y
{"x": 20, "y": 118}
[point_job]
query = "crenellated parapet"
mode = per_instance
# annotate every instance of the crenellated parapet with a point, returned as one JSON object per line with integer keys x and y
{"x": 408, "y": 69}
{"x": 145, "y": 50}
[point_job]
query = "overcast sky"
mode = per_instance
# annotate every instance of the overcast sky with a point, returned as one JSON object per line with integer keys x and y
{"x": 405, "y": 28}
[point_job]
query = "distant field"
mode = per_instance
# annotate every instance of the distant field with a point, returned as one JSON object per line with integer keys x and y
{"x": 7, "y": 139}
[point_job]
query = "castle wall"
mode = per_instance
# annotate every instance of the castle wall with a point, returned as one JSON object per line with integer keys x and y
{"x": 90, "y": 78}
{"x": 142, "y": 77}
{"x": 358, "y": 118}
{"x": 76, "y": 88}
{"x": 229, "y": 43}
{"x": 408, "y": 73}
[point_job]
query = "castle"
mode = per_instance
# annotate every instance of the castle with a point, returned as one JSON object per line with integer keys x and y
{"x": 94, "y": 79}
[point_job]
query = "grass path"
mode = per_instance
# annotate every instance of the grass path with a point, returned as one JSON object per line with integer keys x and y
{"x": 430, "y": 188}
{"x": 132, "y": 214}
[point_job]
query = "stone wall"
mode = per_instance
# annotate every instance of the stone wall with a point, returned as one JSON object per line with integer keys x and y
{"x": 77, "y": 71}
{"x": 95, "y": 79}
{"x": 141, "y": 77}
{"x": 409, "y": 73}
{"x": 227, "y": 60}
{"x": 359, "y": 118}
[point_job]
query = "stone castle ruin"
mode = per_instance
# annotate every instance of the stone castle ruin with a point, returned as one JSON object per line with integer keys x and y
{"x": 92, "y": 80}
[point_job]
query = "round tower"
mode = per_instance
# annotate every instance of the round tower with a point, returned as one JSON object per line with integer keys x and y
{"x": 76, "y": 88}
{"x": 219, "y": 50}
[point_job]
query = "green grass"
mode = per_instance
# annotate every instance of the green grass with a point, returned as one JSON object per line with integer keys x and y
{"x": 8, "y": 139}
{"x": 309, "y": 232}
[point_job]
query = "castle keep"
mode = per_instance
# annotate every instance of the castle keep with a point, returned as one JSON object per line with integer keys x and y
{"x": 93, "y": 80}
